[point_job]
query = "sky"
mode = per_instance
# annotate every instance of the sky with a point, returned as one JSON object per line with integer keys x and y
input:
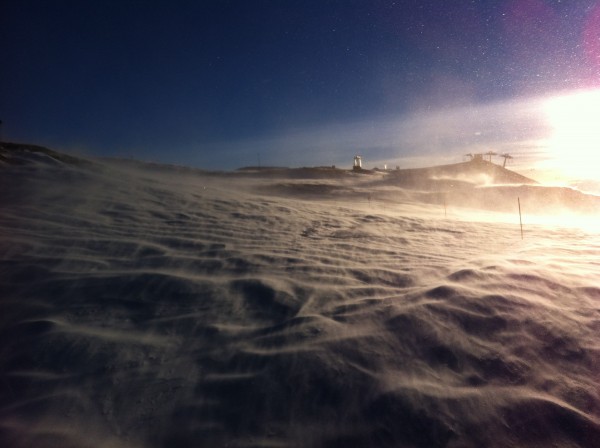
{"x": 228, "y": 83}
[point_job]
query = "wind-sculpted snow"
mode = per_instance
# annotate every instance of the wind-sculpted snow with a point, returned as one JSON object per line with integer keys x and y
{"x": 172, "y": 309}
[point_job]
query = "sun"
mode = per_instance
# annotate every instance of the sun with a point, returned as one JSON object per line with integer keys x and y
{"x": 574, "y": 141}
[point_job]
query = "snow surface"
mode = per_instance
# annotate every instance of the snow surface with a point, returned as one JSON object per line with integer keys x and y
{"x": 149, "y": 306}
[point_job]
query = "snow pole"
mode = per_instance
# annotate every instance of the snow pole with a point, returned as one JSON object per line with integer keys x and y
{"x": 520, "y": 219}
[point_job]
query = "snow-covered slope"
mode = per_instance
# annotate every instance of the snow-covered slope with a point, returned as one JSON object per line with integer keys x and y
{"x": 162, "y": 307}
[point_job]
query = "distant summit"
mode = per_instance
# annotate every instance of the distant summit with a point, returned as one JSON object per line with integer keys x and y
{"x": 476, "y": 171}
{"x": 478, "y": 183}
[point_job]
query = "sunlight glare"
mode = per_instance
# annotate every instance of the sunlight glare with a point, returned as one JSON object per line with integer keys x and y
{"x": 574, "y": 145}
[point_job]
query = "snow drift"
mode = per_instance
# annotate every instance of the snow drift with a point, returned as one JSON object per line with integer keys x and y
{"x": 162, "y": 307}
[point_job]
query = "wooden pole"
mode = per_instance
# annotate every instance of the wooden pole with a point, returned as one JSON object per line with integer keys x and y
{"x": 520, "y": 219}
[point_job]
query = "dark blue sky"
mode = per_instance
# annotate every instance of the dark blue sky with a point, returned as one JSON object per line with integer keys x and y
{"x": 214, "y": 83}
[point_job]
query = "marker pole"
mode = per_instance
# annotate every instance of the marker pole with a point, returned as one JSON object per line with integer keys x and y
{"x": 520, "y": 219}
